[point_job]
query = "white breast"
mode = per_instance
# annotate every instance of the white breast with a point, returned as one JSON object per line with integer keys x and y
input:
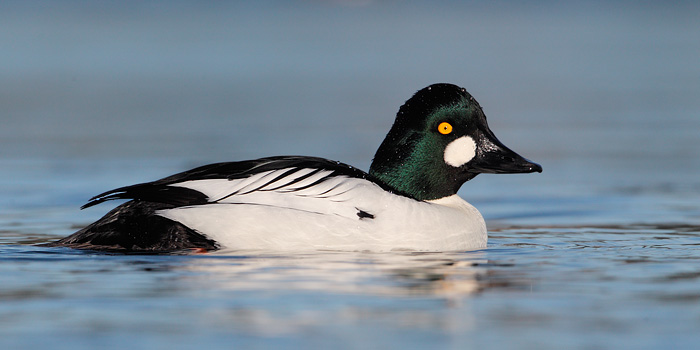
{"x": 317, "y": 211}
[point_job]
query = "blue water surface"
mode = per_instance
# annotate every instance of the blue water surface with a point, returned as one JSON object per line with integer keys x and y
{"x": 600, "y": 251}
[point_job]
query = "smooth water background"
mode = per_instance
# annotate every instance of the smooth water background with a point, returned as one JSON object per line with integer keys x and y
{"x": 601, "y": 250}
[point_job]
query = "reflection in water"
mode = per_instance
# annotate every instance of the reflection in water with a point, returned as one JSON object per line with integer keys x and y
{"x": 389, "y": 274}
{"x": 325, "y": 288}
{"x": 252, "y": 292}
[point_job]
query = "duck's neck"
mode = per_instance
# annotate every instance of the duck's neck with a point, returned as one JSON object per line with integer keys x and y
{"x": 408, "y": 171}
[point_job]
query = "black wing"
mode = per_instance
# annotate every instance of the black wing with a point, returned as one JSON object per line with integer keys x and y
{"x": 161, "y": 191}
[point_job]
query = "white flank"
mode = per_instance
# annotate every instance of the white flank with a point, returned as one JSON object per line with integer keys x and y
{"x": 326, "y": 216}
{"x": 460, "y": 151}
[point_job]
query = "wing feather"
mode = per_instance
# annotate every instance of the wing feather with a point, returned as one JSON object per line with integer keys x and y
{"x": 220, "y": 182}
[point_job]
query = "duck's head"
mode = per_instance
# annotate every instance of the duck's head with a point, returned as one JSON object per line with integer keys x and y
{"x": 440, "y": 140}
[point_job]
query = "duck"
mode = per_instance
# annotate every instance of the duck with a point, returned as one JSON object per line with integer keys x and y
{"x": 407, "y": 201}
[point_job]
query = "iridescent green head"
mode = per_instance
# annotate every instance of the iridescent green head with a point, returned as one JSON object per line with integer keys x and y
{"x": 440, "y": 139}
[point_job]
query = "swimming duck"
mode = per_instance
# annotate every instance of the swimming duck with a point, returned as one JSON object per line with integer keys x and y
{"x": 407, "y": 201}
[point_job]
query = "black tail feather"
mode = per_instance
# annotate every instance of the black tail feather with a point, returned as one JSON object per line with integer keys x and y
{"x": 134, "y": 227}
{"x": 164, "y": 194}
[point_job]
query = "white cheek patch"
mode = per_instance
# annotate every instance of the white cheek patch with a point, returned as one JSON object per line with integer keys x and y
{"x": 460, "y": 151}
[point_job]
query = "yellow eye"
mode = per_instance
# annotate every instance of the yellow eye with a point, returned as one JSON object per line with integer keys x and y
{"x": 445, "y": 128}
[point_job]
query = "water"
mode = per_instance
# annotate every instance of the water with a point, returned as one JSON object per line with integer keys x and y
{"x": 599, "y": 251}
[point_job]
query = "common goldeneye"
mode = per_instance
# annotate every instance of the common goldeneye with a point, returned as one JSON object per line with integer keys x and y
{"x": 407, "y": 201}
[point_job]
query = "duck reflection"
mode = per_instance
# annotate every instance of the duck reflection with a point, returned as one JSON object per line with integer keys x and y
{"x": 391, "y": 274}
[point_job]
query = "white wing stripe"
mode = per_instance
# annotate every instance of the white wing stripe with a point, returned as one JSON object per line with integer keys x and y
{"x": 286, "y": 180}
{"x": 256, "y": 184}
{"x": 306, "y": 182}
{"x": 309, "y": 181}
{"x": 238, "y": 184}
